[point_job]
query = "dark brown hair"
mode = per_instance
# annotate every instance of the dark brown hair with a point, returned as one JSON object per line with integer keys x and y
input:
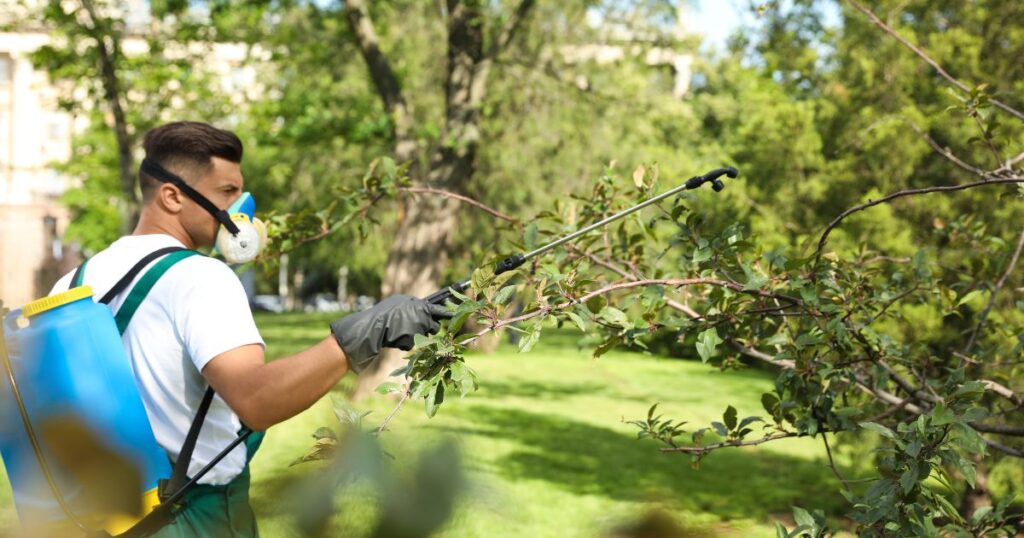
{"x": 185, "y": 148}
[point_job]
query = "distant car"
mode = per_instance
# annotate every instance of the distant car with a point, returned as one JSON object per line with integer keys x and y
{"x": 267, "y": 303}
{"x": 323, "y": 302}
{"x": 363, "y": 302}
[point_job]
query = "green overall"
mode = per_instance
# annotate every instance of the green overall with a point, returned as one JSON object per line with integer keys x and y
{"x": 205, "y": 510}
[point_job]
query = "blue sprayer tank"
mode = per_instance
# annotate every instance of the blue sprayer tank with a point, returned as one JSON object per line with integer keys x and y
{"x": 68, "y": 362}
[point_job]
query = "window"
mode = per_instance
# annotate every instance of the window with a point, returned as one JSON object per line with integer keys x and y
{"x": 6, "y": 65}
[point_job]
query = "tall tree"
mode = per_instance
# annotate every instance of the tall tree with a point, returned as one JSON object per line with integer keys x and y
{"x": 86, "y": 55}
{"x": 417, "y": 258}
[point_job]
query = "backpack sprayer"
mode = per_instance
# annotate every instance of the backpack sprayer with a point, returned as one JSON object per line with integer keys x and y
{"x": 516, "y": 260}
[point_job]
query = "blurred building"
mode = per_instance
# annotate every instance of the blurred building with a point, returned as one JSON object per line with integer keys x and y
{"x": 35, "y": 134}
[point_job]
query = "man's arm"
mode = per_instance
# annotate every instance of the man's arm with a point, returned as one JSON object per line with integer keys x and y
{"x": 264, "y": 394}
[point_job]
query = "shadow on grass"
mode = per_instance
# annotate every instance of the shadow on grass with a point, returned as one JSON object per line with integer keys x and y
{"x": 590, "y": 460}
{"x": 492, "y": 389}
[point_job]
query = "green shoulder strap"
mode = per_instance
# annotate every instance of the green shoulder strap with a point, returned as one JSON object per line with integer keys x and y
{"x": 79, "y": 275}
{"x": 145, "y": 284}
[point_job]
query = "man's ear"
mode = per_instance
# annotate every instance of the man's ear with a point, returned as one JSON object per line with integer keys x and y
{"x": 170, "y": 198}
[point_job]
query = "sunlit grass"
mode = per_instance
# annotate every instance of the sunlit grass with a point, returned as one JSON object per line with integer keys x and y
{"x": 547, "y": 451}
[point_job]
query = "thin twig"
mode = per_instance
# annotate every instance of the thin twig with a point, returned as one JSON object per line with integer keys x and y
{"x": 702, "y": 450}
{"x": 831, "y": 462}
{"x": 945, "y": 152}
{"x": 405, "y": 396}
{"x": 891, "y": 411}
{"x": 461, "y": 198}
{"x": 1001, "y": 429}
{"x": 942, "y": 72}
{"x": 1003, "y": 391}
{"x": 891, "y": 302}
{"x": 992, "y": 298}
{"x": 1004, "y": 448}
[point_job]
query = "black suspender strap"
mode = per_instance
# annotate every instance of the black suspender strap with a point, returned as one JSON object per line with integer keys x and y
{"x": 179, "y": 475}
{"x": 134, "y": 271}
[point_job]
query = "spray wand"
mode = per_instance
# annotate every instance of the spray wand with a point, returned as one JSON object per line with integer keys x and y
{"x": 516, "y": 260}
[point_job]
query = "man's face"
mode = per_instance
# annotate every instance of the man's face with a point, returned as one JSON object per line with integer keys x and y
{"x": 222, "y": 185}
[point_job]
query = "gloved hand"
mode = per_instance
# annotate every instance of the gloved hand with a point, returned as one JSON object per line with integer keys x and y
{"x": 390, "y": 323}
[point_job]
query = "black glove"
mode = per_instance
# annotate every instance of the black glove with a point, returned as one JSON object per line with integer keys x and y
{"x": 390, "y": 323}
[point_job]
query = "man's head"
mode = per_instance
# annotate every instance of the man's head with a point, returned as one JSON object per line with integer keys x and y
{"x": 208, "y": 160}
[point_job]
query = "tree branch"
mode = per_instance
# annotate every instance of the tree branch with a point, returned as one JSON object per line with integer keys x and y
{"x": 702, "y": 450}
{"x": 508, "y": 32}
{"x": 831, "y": 462}
{"x": 1001, "y": 429}
{"x": 384, "y": 79}
{"x": 935, "y": 65}
{"x": 387, "y": 420}
{"x": 112, "y": 93}
{"x": 900, "y": 194}
{"x": 1003, "y": 391}
{"x": 1004, "y": 448}
{"x": 461, "y": 198}
{"x": 945, "y": 152}
{"x": 992, "y": 297}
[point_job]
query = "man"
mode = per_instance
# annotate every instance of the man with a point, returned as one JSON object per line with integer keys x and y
{"x": 194, "y": 328}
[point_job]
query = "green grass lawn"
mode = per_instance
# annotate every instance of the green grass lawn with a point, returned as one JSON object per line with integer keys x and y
{"x": 547, "y": 452}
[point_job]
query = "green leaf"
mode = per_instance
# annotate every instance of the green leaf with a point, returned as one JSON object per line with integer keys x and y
{"x": 755, "y": 278}
{"x": 458, "y": 321}
{"x": 578, "y": 321}
{"x": 530, "y": 238}
{"x": 970, "y": 297}
{"x": 879, "y": 429}
{"x": 596, "y": 303}
{"x": 942, "y": 415}
{"x": 729, "y": 417}
{"x": 420, "y": 340}
{"x": 614, "y": 316}
{"x": 388, "y": 387}
{"x": 707, "y": 341}
{"x": 770, "y": 401}
{"x": 803, "y": 517}
{"x": 968, "y": 438}
{"x": 607, "y": 346}
{"x": 967, "y": 469}
{"x": 908, "y": 479}
{"x": 463, "y": 378}
{"x": 748, "y": 421}
{"x": 505, "y": 294}
{"x": 434, "y": 400}
{"x": 527, "y": 343}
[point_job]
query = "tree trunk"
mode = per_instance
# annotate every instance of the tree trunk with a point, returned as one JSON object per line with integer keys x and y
{"x": 418, "y": 256}
{"x": 100, "y": 31}
{"x": 415, "y": 264}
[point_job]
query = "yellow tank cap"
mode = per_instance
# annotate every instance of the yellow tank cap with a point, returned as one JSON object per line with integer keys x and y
{"x": 49, "y": 303}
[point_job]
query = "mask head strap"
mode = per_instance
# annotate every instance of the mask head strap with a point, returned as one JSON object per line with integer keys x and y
{"x": 155, "y": 171}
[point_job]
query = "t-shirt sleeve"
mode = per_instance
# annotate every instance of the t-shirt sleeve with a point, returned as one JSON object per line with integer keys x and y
{"x": 62, "y": 284}
{"x": 212, "y": 312}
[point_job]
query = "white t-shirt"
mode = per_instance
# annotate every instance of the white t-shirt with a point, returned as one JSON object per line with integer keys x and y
{"x": 196, "y": 311}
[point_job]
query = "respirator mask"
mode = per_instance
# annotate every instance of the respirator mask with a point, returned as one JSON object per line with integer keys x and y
{"x": 241, "y": 236}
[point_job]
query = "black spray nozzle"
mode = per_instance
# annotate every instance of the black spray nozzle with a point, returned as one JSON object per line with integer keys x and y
{"x": 712, "y": 178}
